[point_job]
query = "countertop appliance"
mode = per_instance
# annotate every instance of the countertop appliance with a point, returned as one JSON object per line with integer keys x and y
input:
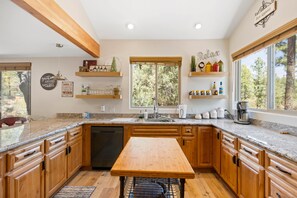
{"x": 242, "y": 116}
{"x": 106, "y": 145}
{"x": 182, "y": 111}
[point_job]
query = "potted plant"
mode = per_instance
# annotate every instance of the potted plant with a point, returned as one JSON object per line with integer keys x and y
{"x": 113, "y": 65}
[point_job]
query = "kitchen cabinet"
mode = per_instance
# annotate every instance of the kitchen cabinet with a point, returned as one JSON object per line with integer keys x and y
{"x": 250, "y": 170}
{"x": 280, "y": 177}
{"x": 2, "y": 175}
{"x": 204, "y": 147}
{"x": 154, "y": 131}
{"x": 188, "y": 143}
{"x": 55, "y": 163}
{"x": 27, "y": 180}
{"x": 216, "y": 148}
{"x": 74, "y": 151}
{"x": 229, "y": 157}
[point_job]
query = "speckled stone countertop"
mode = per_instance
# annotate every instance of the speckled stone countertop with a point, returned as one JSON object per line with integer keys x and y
{"x": 281, "y": 144}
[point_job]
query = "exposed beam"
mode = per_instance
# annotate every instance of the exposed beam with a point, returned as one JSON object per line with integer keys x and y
{"x": 51, "y": 14}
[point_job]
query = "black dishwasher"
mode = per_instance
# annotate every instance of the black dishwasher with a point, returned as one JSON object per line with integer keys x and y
{"x": 106, "y": 145}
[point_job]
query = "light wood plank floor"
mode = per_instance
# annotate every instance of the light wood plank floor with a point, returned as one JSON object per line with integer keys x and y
{"x": 107, "y": 186}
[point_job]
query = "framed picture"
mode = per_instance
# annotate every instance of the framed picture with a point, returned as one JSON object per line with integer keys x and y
{"x": 89, "y": 63}
{"x": 67, "y": 89}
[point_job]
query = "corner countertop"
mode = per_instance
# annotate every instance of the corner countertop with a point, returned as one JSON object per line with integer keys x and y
{"x": 21, "y": 134}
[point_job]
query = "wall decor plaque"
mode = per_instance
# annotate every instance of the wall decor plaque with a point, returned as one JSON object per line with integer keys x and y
{"x": 48, "y": 81}
{"x": 266, "y": 10}
{"x": 67, "y": 89}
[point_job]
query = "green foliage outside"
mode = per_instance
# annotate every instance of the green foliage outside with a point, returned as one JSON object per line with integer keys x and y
{"x": 145, "y": 87}
{"x": 12, "y": 98}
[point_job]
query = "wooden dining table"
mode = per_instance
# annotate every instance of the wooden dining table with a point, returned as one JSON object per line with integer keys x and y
{"x": 155, "y": 158}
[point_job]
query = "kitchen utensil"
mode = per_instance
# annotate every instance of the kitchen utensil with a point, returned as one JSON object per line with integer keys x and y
{"x": 182, "y": 111}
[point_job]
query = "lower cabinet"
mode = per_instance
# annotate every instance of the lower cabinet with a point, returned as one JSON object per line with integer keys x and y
{"x": 250, "y": 179}
{"x": 56, "y": 170}
{"x": 278, "y": 188}
{"x": 229, "y": 166}
{"x": 27, "y": 181}
{"x": 216, "y": 150}
{"x": 74, "y": 156}
{"x": 188, "y": 145}
{"x": 2, "y": 178}
{"x": 204, "y": 147}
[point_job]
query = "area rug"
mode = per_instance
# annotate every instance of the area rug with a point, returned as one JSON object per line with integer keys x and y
{"x": 75, "y": 192}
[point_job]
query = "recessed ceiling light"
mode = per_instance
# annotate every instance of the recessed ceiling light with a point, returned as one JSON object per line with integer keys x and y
{"x": 130, "y": 26}
{"x": 198, "y": 26}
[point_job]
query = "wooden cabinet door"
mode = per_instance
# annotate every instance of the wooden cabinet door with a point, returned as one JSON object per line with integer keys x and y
{"x": 188, "y": 145}
{"x": 2, "y": 172}
{"x": 204, "y": 147}
{"x": 278, "y": 188}
{"x": 250, "y": 179}
{"x": 74, "y": 156}
{"x": 229, "y": 167}
{"x": 27, "y": 181}
{"x": 216, "y": 149}
{"x": 56, "y": 170}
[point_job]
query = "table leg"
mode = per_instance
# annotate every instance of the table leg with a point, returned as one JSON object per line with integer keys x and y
{"x": 182, "y": 188}
{"x": 122, "y": 186}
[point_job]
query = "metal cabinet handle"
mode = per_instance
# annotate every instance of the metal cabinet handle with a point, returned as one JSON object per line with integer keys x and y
{"x": 248, "y": 151}
{"x": 58, "y": 141}
{"x": 286, "y": 172}
{"x": 278, "y": 195}
{"x": 30, "y": 153}
{"x": 234, "y": 159}
{"x": 183, "y": 142}
{"x": 74, "y": 134}
{"x": 218, "y": 136}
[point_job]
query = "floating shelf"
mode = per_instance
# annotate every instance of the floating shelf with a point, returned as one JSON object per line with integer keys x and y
{"x": 99, "y": 74}
{"x": 99, "y": 96}
{"x": 218, "y": 74}
{"x": 208, "y": 97}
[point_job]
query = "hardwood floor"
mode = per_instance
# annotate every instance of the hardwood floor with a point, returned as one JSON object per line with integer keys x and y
{"x": 204, "y": 185}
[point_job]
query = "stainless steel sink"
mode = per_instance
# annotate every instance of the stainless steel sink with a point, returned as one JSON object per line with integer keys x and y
{"x": 161, "y": 119}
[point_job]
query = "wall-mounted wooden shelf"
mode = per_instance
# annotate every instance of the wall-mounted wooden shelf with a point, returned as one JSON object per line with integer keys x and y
{"x": 99, "y": 74}
{"x": 202, "y": 74}
{"x": 208, "y": 97}
{"x": 99, "y": 96}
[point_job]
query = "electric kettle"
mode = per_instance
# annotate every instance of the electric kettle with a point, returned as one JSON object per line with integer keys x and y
{"x": 182, "y": 111}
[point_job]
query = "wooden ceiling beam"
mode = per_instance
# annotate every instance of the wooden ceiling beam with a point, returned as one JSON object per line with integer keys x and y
{"x": 51, "y": 14}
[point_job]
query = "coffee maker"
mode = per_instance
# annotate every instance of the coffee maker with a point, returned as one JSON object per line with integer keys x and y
{"x": 242, "y": 116}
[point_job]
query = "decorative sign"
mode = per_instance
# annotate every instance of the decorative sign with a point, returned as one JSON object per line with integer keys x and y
{"x": 67, "y": 89}
{"x": 48, "y": 81}
{"x": 204, "y": 56}
{"x": 265, "y": 11}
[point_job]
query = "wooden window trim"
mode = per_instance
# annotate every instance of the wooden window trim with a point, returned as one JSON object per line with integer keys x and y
{"x": 275, "y": 36}
{"x": 17, "y": 66}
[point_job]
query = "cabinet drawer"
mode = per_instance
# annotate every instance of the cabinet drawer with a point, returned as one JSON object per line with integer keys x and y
{"x": 277, "y": 188}
{"x": 284, "y": 169}
{"x": 188, "y": 130}
{"x": 23, "y": 155}
{"x": 74, "y": 133}
{"x": 229, "y": 140}
{"x": 251, "y": 152}
{"x": 149, "y": 130}
{"x": 55, "y": 142}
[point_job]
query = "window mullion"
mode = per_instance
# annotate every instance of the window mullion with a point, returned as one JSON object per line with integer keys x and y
{"x": 156, "y": 82}
{"x": 270, "y": 77}
{"x": 237, "y": 80}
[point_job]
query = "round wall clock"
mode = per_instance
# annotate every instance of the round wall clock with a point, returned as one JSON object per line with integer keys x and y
{"x": 48, "y": 81}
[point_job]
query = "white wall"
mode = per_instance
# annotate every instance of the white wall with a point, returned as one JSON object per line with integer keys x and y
{"x": 48, "y": 103}
{"x": 247, "y": 32}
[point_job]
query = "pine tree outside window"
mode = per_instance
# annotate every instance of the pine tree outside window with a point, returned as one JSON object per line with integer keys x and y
{"x": 155, "y": 78}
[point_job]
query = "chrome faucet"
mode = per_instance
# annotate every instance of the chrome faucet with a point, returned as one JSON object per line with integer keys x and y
{"x": 156, "y": 113}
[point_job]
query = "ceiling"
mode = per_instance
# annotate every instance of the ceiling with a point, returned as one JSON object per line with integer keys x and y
{"x": 165, "y": 19}
{"x": 22, "y": 35}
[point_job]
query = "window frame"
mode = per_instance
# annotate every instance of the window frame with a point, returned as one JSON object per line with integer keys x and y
{"x": 270, "y": 87}
{"x": 155, "y": 60}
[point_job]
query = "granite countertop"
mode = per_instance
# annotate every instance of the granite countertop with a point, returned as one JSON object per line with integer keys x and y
{"x": 281, "y": 144}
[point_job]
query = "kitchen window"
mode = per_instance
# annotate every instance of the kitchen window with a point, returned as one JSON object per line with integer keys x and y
{"x": 15, "y": 89}
{"x": 155, "y": 77}
{"x": 268, "y": 77}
